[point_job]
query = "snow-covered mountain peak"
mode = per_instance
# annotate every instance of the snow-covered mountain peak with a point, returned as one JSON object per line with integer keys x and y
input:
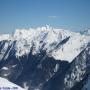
{"x": 58, "y": 43}
{"x": 86, "y": 31}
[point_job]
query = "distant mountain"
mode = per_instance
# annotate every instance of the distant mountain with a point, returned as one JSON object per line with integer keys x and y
{"x": 46, "y": 58}
{"x": 86, "y": 31}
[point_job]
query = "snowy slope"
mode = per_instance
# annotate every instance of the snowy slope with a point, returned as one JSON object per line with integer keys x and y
{"x": 72, "y": 48}
{"x": 48, "y": 38}
{"x": 7, "y": 85}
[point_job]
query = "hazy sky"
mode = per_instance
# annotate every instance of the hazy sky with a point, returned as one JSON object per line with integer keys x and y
{"x": 69, "y": 14}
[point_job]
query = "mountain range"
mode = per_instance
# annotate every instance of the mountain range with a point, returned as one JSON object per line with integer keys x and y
{"x": 46, "y": 58}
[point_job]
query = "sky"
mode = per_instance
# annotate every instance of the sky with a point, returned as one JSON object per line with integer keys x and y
{"x": 68, "y": 14}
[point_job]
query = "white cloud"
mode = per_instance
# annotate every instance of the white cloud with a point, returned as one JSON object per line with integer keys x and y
{"x": 52, "y": 17}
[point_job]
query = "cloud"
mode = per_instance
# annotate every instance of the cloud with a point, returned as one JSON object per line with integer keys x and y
{"x": 52, "y": 17}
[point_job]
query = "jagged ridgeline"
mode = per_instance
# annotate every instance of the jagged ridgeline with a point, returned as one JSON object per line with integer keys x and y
{"x": 46, "y": 58}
